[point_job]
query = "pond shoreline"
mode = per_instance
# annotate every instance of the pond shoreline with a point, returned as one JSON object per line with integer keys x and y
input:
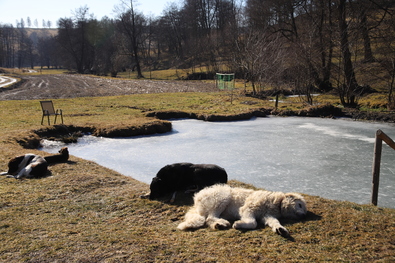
{"x": 275, "y": 153}
{"x": 160, "y": 123}
{"x": 321, "y": 111}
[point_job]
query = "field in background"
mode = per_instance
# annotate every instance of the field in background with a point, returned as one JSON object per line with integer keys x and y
{"x": 86, "y": 213}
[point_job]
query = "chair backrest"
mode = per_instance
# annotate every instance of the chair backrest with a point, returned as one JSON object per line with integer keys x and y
{"x": 47, "y": 107}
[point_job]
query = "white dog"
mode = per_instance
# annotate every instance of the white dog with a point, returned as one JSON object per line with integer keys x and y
{"x": 217, "y": 204}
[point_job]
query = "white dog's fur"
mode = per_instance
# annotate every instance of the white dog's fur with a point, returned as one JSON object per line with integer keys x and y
{"x": 217, "y": 204}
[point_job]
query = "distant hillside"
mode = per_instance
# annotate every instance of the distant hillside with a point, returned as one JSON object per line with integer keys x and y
{"x": 42, "y": 31}
{"x": 36, "y": 33}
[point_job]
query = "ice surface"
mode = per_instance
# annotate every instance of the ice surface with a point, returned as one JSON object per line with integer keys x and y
{"x": 325, "y": 157}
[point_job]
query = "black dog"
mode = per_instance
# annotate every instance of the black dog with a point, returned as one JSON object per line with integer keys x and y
{"x": 28, "y": 165}
{"x": 184, "y": 176}
{"x": 32, "y": 165}
{"x": 62, "y": 157}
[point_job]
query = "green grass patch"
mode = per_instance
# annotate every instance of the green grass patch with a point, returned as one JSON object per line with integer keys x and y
{"x": 121, "y": 110}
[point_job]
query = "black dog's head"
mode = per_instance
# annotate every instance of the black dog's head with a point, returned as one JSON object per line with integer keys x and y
{"x": 64, "y": 151}
{"x": 157, "y": 188}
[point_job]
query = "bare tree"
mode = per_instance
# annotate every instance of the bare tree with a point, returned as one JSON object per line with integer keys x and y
{"x": 24, "y": 45}
{"x": 387, "y": 54}
{"x": 108, "y": 57}
{"x": 46, "y": 46}
{"x": 260, "y": 57}
{"x": 131, "y": 24}
{"x": 320, "y": 24}
{"x": 73, "y": 38}
{"x": 348, "y": 89}
{"x": 8, "y": 46}
{"x": 172, "y": 32}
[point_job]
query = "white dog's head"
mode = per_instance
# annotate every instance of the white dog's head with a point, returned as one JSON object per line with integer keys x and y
{"x": 293, "y": 206}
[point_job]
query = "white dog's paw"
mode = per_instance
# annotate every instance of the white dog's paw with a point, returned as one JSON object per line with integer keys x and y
{"x": 238, "y": 224}
{"x": 244, "y": 225}
{"x": 182, "y": 226}
{"x": 282, "y": 231}
{"x": 221, "y": 224}
{"x": 4, "y": 173}
{"x": 145, "y": 196}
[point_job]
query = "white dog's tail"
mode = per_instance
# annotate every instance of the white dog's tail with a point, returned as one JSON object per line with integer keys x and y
{"x": 192, "y": 220}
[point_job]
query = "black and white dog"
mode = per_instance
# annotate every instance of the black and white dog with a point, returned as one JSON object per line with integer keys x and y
{"x": 185, "y": 176}
{"x": 28, "y": 165}
{"x": 32, "y": 165}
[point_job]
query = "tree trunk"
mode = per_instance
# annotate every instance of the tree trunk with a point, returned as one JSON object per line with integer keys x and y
{"x": 366, "y": 40}
{"x": 135, "y": 45}
{"x": 391, "y": 97}
{"x": 351, "y": 83}
{"x": 327, "y": 63}
{"x": 128, "y": 21}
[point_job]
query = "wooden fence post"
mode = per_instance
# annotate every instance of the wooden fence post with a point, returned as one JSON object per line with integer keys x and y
{"x": 378, "y": 145}
{"x": 276, "y": 104}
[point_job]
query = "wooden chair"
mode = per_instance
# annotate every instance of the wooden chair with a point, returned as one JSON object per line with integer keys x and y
{"x": 48, "y": 110}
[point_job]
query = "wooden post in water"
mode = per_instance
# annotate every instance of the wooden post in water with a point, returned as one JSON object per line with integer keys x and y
{"x": 276, "y": 104}
{"x": 378, "y": 145}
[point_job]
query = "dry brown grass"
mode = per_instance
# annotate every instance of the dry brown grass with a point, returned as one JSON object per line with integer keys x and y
{"x": 87, "y": 213}
{"x": 84, "y": 212}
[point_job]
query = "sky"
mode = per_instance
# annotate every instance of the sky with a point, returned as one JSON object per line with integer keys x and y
{"x": 52, "y": 10}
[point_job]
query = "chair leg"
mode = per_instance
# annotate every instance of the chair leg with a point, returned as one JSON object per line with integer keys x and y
{"x": 42, "y": 120}
{"x": 56, "y": 115}
{"x": 48, "y": 120}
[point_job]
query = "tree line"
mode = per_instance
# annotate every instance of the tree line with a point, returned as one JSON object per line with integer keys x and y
{"x": 306, "y": 45}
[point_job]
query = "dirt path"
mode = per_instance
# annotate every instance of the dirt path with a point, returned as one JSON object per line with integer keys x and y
{"x": 70, "y": 86}
{"x": 5, "y": 81}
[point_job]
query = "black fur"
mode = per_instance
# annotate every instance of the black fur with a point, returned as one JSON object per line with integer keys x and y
{"x": 13, "y": 164}
{"x": 62, "y": 157}
{"x": 184, "y": 176}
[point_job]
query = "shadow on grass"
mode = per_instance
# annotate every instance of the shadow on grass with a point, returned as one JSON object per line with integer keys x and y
{"x": 181, "y": 199}
{"x": 68, "y": 162}
{"x": 285, "y": 222}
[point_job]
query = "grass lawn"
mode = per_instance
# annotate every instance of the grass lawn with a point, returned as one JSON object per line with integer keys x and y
{"x": 84, "y": 212}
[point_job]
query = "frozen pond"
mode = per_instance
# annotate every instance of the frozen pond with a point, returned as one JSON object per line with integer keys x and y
{"x": 325, "y": 157}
